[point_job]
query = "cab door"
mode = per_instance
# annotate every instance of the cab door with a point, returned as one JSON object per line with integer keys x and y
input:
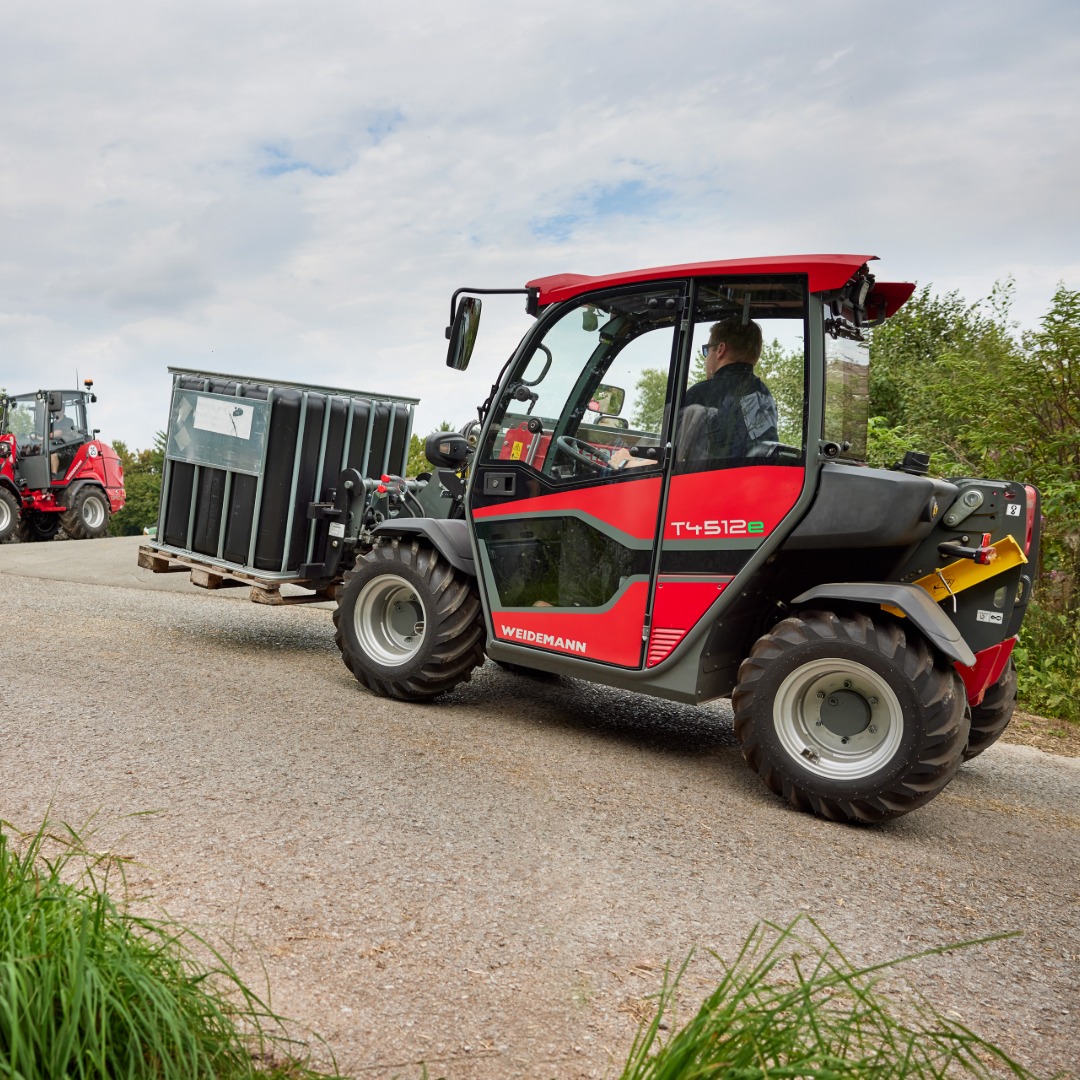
{"x": 738, "y": 463}
{"x": 567, "y": 488}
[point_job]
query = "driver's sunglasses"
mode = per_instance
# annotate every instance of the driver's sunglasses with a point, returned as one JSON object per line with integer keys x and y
{"x": 705, "y": 349}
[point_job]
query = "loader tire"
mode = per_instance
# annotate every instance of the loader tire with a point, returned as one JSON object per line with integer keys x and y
{"x": 87, "y": 518}
{"x": 10, "y": 510}
{"x": 409, "y": 626}
{"x": 991, "y": 716}
{"x": 850, "y": 717}
{"x": 35, "y": 525}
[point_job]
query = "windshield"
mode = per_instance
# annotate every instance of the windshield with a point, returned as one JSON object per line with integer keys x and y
{"x": 24, "y": 417}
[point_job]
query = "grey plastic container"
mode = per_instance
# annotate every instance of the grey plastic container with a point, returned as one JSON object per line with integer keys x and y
{"x": 244, "y": 459}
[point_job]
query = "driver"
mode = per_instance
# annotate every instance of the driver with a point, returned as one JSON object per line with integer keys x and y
{"x": 736, "y": 409}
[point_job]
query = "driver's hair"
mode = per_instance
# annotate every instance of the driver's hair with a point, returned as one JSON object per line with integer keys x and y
{"x": 743, "y": 339}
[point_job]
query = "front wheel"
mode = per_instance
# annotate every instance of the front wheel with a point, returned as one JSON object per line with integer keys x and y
{"x": 850, "y": 717}
{"x": 9, "y": 514}
{"x": 87, "y": 517}
{"x": 409, "y": 626}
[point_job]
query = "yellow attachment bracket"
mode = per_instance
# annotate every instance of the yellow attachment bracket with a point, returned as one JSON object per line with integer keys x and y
{"x": 962, "y": 574}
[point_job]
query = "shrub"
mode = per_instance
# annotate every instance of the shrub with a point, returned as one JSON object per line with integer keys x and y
{"x": 90, "y": 990}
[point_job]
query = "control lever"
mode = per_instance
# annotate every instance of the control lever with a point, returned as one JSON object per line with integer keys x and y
{"x": 984, "y": 554}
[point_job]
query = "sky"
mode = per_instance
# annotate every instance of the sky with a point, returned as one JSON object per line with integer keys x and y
{"x": 292, "y": 190}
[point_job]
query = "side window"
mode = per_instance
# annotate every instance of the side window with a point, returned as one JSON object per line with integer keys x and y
{"x": 595, "y": 382}
{"x": 744, "y": 403}
{"x": 847, "y": 387}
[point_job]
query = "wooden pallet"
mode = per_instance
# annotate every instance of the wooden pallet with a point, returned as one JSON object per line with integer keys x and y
{"x": 210, "y": 576}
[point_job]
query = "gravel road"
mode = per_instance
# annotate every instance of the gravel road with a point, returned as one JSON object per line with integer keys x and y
{"x": 492, "y": 884}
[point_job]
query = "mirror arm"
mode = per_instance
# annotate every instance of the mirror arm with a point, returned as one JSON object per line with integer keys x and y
{"x": 532, "y": 294}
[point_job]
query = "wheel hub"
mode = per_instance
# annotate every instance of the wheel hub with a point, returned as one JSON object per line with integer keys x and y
{"x": 389, "y": 620}
{"x": 845, "y": 713}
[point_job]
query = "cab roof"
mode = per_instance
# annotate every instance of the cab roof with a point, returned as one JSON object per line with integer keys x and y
{"x": 824, "y": 272}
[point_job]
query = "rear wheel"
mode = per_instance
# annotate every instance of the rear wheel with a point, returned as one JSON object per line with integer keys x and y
{"x": 87, "y": 517}
{"x": 35, "y": 525}
{"x": 9, "y": 514}
{"x": 851, "y": 718}
{"x": 991, "y": 716}
{"x": 408, "y": 624}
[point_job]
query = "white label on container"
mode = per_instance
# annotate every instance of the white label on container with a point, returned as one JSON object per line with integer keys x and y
{"x": 337, "y": 528}
{"x": 223, "y": 417}
{"x": 989, "y": 616}
{"x": 1012, "y": 509}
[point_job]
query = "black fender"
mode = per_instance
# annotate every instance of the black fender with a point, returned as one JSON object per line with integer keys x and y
{"x": 66, "y": 498}
{"x": 6, "y": 483}
{"x": 917, "y": 604}
{"x": 448, "y": 536}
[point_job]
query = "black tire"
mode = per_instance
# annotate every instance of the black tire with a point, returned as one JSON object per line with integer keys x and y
{"x": 850, "y": 717}
{"x": 10, "y": 509}
{"x": 991, "y": 716}
{"x": 37, "y": 525}
{"x": 409, "y": 626}
{"x": 87, "y": 518}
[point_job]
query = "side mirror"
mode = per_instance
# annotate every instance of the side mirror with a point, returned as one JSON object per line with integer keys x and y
{"x": 462, "y": 333}
{"x": 608, "y": 400}
{"x": 56, "y": 401}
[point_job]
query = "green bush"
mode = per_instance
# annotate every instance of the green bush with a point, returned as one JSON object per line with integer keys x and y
{"x": 90, "y": 990}
{"x": 1048, "y": 664}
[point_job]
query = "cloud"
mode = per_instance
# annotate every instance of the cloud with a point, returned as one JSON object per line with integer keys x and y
{"x": 294, "y": 191}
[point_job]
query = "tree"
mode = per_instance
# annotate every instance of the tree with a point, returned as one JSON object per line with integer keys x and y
{"x": 417, "y": 463}
{"x": 142, "y": 483}
{"x": 648, "y": 414}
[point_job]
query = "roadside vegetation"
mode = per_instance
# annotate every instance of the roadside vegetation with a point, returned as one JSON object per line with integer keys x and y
{"x": 958, "y": 381}
{"x": 793, "y": 1006}
{"x": 90, "y": 989}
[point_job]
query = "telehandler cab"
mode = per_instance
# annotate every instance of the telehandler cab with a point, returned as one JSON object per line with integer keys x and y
{"x": 54, "y": 471}
{"x": 862, "y": 620}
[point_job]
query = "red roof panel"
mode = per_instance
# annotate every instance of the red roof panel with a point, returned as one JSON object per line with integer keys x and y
{"x": 825, "y": 272}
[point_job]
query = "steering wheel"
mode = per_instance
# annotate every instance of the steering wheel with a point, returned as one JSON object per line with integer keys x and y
{"x": 584, "y": 453}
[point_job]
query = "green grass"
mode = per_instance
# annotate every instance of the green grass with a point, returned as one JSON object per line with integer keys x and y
{"x": 90, "y": 990}
{"x": 791, "y": 1008}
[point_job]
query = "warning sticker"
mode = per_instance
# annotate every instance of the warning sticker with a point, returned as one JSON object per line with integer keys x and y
{"x": 989, "y": 616}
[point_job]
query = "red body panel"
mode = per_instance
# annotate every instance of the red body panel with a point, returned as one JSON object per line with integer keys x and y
{"x": 95, "y": 461}
{"x": 747, "y": 502}
{"x": 629, "y": 507}
{"x": 987, "y": 669}
{"x": 612, "y": 636}
{"x": 679, "y": 604}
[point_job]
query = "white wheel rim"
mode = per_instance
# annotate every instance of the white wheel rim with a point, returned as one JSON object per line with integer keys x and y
{"x": 93, "y": 512}
{"x": 389, "y": 620}
{"x": 818, "y": 714}
{"x": 5, "y": 515}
